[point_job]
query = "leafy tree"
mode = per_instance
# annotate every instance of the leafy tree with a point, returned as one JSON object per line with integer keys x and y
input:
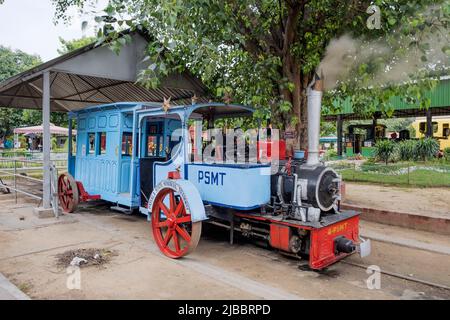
{"x": 16, "y": 61}
{"x": 12, "y": 63}
{"x": 71, "y": 45}
{"x": 265, "y": 52}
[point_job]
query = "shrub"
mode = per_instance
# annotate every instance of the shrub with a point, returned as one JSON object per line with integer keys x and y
{"x": 426, "y": 149}
{"x": 406, "y": 150}
{"x": 330, "y": 154}
{"x": 385, "y": 150}
{"x": 447, "y": 154}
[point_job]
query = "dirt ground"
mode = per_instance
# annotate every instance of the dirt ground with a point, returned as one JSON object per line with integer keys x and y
{"x": 433, "y": 202}
{"x": 216, "y": 270}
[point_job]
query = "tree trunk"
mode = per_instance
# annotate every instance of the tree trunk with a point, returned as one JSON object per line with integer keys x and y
{"x": 299, "y": 100}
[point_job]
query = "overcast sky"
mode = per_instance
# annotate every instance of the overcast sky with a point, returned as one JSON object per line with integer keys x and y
{"x": 28, "y": 25}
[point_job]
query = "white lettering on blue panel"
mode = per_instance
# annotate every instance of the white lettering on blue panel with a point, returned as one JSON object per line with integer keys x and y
{"x": 210, "y": 177}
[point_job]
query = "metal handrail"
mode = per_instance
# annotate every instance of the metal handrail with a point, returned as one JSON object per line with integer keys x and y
{"x": 17, "y": 172}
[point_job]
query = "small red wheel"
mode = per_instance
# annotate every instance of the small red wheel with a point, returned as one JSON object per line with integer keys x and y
{"x": 68, "y": 192}
{"x": 173, "y": 230}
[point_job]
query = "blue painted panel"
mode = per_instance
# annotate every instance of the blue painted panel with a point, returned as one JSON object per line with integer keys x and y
{"x": 125, "y": 175}
{"x": 102, "y": 121}
{"x": 82, "y": 124}
{"x": 91, "y": 122}
{"x": 113, "y": 120}
{"x": 243, "y": 187}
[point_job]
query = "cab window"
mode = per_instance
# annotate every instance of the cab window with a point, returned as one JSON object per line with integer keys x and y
{"x": 102, "y": 143}
{"x": 91, "y": 143}
{"x": 127, "y": 143}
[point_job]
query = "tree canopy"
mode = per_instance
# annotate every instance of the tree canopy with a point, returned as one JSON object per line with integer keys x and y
{"x": 265, "y": 52}
{"x": 67, "y": 46}
{"x": 12, "y": 63}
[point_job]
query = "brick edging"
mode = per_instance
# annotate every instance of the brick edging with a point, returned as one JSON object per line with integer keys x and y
{"x": 402, "y": 219}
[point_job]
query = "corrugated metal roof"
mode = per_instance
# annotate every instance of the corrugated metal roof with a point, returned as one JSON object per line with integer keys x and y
{"x": 440, "y": 104}
{"x": 72, "y": 91}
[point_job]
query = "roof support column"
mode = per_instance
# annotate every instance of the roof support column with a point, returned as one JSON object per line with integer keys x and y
{"x": 46, "y": 139}
{"x": 429, "y": 131}
{"x": 339, "y": 134}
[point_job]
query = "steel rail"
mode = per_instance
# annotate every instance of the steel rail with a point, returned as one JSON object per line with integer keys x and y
{"x": 400, "y": 276}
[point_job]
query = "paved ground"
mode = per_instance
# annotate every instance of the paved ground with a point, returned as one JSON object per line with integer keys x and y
{"x": 214, "y": 270}
{"x": 9, "y": 291}
{"x": 433, "y": 202}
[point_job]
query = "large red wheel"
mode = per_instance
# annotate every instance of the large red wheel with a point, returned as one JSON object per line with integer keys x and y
{"x": 68, "y": 192}
{"x": 173, "y": 230}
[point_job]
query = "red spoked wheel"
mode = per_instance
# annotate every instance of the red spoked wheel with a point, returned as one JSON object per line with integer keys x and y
{"x": 68, "y": 192}
{"x": 173, "y": 230}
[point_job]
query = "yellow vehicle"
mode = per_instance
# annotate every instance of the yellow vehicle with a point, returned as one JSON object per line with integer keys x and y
{"x": 441, "y": 130}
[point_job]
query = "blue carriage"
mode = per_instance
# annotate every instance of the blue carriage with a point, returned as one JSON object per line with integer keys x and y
{"x": 149, "y": 157}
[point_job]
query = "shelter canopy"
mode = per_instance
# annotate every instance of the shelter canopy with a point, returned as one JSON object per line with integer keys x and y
{"x": 40, "y": 129}
{"x": 95, "y": 75}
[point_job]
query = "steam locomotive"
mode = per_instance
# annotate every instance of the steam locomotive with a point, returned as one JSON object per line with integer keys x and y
{"x": 142, "y": 157}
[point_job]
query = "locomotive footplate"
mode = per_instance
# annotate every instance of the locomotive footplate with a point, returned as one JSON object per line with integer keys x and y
{"x": 325, "y": 242}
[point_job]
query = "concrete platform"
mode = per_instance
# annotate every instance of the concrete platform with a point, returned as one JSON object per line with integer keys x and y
{"x": 8, "y": 291}
{"x": 433, "y": 224}
{"x": 43, "y": 213}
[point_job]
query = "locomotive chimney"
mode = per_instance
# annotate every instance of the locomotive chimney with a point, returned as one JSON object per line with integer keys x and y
{"x": 315, "y": 90}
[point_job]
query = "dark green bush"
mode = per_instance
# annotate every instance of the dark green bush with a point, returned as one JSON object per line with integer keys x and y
{"x": 447, "y": 154}
{"x": 406, "y": 150}
{"x": 385, "y": 150}
{"x": 426, "y": 149}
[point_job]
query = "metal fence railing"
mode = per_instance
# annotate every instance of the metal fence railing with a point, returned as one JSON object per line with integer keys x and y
{"x": 431, "y": 174}
{"x": 24, "y": 176}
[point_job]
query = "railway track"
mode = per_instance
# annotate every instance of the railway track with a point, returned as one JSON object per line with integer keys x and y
{"x": 399, "y": 276}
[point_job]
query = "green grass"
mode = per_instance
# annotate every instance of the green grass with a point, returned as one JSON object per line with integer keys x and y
{"x": 418, "y": 178}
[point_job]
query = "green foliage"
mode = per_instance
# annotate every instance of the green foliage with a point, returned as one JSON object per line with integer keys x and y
{"x": 385, "y": 150}
{"x": 53, "y": 143}
{"x": 447, "y": 154}
{"x": 71, "y": 45}
{"x": 426, "y": 149}
{"x": 266, "y": 51}
{"x": 13, "y": 62}
{"x": 330, "y": 154}
{"x": 406, "y": 150}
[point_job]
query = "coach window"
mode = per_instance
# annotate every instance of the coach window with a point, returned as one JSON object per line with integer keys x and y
{"x": 102, "y": 143}
{"x": 127, "y": 143}
{"x": 91, "y": 143}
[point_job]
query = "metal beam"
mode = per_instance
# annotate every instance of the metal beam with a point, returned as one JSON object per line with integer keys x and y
{"x": 56, "y": 100}
{"x": 46, "y": 198}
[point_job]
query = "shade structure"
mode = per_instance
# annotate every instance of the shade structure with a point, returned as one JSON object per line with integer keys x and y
{"x": 40, "y": 129}
{"x": 95, "y": 75}
{"x": 90, "y": 76}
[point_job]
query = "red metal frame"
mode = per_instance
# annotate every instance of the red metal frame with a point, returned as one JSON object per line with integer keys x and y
{"x": 84, "y": 196}
{"x": 322, "y": 251}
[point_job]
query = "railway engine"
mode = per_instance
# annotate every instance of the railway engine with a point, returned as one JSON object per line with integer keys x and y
{"x": 303, "y": 217}
{"x": 144, "y": 157}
